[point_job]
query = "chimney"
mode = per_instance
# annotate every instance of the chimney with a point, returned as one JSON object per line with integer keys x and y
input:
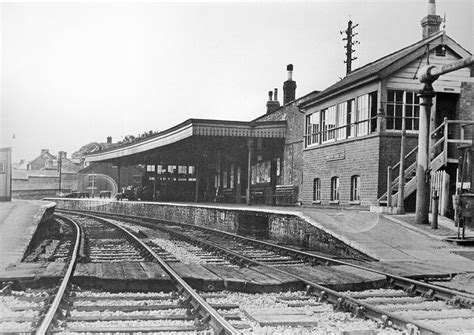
{"x": 272, "y": 105}
{"x": 62, "y": 155}
{"x": 109, "y": 139}
{"x": 289, "y": 86}
{"x": 431, "y": 22}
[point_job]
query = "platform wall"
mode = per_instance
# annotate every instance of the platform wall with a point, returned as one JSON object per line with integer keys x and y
{"x": 284, "y": 228}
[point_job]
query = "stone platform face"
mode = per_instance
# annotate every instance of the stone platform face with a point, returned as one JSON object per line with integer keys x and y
{"x": 19, "y": 220}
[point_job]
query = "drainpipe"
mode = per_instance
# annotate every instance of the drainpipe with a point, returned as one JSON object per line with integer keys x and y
{"x": 249, "y": 170}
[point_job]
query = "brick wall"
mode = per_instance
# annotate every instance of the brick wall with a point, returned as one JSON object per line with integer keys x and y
{"x": 390, "y": 155}
{"x": 354, "y": 157}
{"x": 465, "y": 111}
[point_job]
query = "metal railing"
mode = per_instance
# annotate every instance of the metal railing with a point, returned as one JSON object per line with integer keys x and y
{"x": 439, "y": 150}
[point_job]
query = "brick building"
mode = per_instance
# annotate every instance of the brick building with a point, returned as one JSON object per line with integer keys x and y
{"x": 353, "y": 128}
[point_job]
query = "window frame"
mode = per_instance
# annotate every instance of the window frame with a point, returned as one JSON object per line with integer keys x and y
{"x": 355, "y": 187}
{"x": 316, "y": 189}
{"x": 408, "y": 108}
{"x": 335, "y": 186}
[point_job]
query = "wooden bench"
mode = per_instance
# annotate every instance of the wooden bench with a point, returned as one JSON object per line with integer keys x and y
{"x": 286, "y": 195}
{"x": 228, "y": 195}
{"x": 257, "y": 195}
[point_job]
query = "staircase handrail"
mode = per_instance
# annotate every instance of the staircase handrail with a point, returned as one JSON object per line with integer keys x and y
{"x": 412, "y": 167}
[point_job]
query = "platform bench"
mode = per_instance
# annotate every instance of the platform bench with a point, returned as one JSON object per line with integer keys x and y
{"x": 286, "y": 195}
{"x": 258, "y": 195}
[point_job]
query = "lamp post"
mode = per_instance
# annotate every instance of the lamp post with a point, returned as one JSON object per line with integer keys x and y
{"x": 60, "y": 161}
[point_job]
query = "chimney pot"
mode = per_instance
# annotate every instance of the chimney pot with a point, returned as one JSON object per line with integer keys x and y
{"x": 431, "y": 22}
{"x": 109, "y": 139}
{"x": 275, "y": 94}
{"x": 289, "y": 86}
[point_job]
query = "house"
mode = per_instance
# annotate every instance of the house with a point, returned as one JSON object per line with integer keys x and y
{"x": 353, "y": 129}
{"x": 46, "y": 175}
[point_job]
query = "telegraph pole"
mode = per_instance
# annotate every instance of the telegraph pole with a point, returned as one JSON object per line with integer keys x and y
{"x": 349, "y": 34}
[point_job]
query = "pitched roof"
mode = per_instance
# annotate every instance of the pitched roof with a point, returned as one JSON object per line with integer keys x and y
{"x": 384, "y": 66}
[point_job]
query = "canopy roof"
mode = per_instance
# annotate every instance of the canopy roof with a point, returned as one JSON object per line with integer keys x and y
{"x": 185, "y": 138}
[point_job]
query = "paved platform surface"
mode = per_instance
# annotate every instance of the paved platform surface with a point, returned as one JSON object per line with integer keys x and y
{"x": 18, "y": 222}
{"x": 387, "y": 238}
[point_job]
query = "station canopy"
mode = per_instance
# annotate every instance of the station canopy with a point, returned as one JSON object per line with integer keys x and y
{"x": 187, "y": 142}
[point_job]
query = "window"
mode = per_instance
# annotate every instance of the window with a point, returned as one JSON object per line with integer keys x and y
{"x": 351, "y": 118}
{"x": 316, "y": 189}
{"x": 150, "y": 168}
{"x": 401, "y": 104}
{"x": 328, "y": 123}
{"x": 362, "y": 114}
{"x": 182, "y": 172}
{"x": 261, "y": 172}
{"x": 355, "y": 188}
{"x": 334, "y": 188}
{"x": 191, "y": 173}
{"x": 440, "y": 51}
{"x": 341, "y": 132}
{"x": 232, "y": 176}
{"x": 224, "y": 179}
{"x": 2, "y": 167}
{"x": 313, "y": 129}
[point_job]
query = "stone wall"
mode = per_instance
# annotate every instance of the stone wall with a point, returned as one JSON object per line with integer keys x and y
{"x": 284, "y": 228}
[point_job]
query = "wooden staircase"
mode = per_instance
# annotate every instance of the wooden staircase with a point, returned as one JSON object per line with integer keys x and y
{"x": 439, "y": 151}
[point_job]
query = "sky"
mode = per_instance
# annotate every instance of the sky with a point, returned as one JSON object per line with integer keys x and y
{"x": 75, "y": 73}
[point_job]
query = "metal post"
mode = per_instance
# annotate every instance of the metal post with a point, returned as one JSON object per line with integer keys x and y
{"x": 389, "y": 187}
{"x": 196, "y": 196}
{"x": 154, "y": 182}
{"x": 401, "y": 174}
{"x": 422, "y": 167}
{"x": 118, "y": 178}
{"x": 249, "y": 171}
{"x": 435, "y": 211}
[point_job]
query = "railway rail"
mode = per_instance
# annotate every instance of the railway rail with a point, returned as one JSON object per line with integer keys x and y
{"x": 67, "y": 308}
{"x": 405, "y": 307}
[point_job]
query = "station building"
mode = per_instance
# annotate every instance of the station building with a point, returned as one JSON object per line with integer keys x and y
{"x": 325, "y": 148}
{"x": 258, "y": 161}
{"x": 353, "y": 128}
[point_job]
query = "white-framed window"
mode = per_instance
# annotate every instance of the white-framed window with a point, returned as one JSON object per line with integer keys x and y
{"x": 316, "y": 189}
{"x": 402, "y": 104}
{"x": 355, "y": 188}
{"x": 362, "y": 114}
{"x": 313, "y": 129}
{"x": 328, "y": 124}
{"x": 351, "y": 118}
{"x": 341, "y": 132}
{"x": 150, "y": 168}
{"x": 334, "y": 188}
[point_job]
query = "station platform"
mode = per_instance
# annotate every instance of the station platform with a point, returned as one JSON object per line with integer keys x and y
{"x": 389, "y": 238}
{"x": 19, "y": 220}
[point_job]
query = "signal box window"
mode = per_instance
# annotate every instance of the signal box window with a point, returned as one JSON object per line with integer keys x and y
{"x": 334, "y": 188}
{"x": 355, "y": 188}
{"x": 316, "y": 189}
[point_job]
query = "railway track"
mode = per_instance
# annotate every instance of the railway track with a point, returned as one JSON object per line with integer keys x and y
{"x": 410, "y": 305}
{"x": 66, "y": 308}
